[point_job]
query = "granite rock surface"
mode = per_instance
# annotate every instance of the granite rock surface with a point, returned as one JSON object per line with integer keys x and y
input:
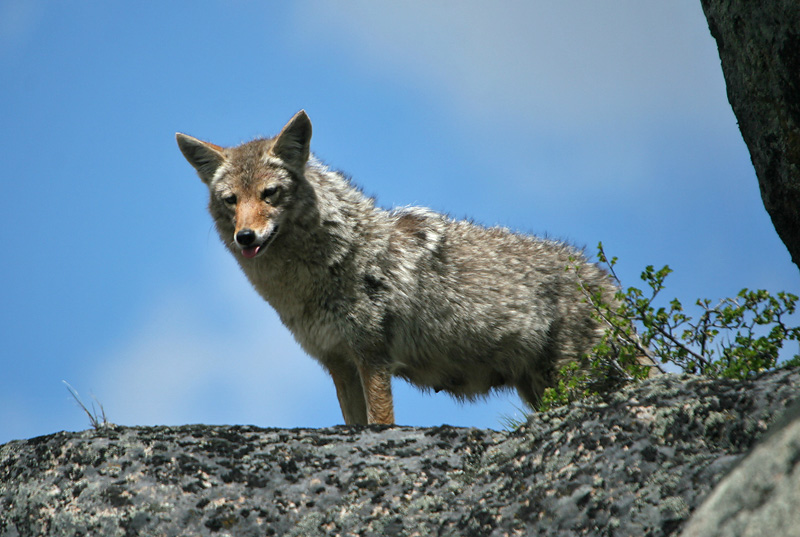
{"x": 761, "y": 495}
{"x": 637, "y": 462}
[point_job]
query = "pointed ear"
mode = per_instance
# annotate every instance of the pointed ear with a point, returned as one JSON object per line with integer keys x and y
{"x": 203, "y": 156}
{"x": 293, "y": 143}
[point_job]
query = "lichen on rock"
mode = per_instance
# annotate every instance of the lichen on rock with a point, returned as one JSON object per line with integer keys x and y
{"x": 636, "y": 462}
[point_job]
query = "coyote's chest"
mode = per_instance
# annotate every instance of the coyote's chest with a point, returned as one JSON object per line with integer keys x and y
{"x": 299, "y": 298}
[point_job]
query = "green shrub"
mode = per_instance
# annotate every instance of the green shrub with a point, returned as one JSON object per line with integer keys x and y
{"x": 736, "y": 338}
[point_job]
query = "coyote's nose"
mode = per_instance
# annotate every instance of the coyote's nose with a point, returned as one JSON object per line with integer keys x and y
{"x": 245, "y": 237}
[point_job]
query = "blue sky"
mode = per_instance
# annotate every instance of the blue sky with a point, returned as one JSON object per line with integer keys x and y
{"x": 581, "y": 120}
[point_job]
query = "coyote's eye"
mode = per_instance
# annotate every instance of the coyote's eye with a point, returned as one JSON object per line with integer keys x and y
{"x": 268, "y": 192}
{"x": 230, "y": 200}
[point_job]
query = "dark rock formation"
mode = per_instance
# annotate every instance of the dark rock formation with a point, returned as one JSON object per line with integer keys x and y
{"x": 759, "y": 47}
{"x": 634, "y": 463}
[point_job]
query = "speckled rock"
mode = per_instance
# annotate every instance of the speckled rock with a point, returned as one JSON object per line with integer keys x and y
{"x": 634, "y": 463}
{"x": 761, "y": 496}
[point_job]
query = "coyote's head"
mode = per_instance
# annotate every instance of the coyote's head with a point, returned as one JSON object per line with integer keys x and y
{"x": 252, "y": 185}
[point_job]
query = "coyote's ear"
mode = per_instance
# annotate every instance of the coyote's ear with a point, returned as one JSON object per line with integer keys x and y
{"x": 205, "y": 157}
{"x": 293, "y": 142}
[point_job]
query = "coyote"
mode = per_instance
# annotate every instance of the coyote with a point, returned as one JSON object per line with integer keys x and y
{"x": 370, "y": 293}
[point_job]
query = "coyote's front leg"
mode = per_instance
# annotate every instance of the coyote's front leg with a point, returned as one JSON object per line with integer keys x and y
{"x": 377, "y": 386}
{"x": 349, "y": 391}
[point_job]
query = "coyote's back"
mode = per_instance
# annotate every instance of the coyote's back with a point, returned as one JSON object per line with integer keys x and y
{"x": 371, "y": 293}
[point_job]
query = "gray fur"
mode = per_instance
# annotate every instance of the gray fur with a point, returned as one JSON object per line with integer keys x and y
{"x": 445, "y": 304}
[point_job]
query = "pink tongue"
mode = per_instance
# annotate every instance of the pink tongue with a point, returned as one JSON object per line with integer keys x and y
{"x": 250, "y": 252}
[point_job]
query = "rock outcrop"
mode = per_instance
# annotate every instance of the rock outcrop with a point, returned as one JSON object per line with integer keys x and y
{"x": 761, "y": 496}
{"x": 637, "y": 462}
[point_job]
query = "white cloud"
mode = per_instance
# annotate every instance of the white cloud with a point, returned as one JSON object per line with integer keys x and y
{"x": 558, "y": 62}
